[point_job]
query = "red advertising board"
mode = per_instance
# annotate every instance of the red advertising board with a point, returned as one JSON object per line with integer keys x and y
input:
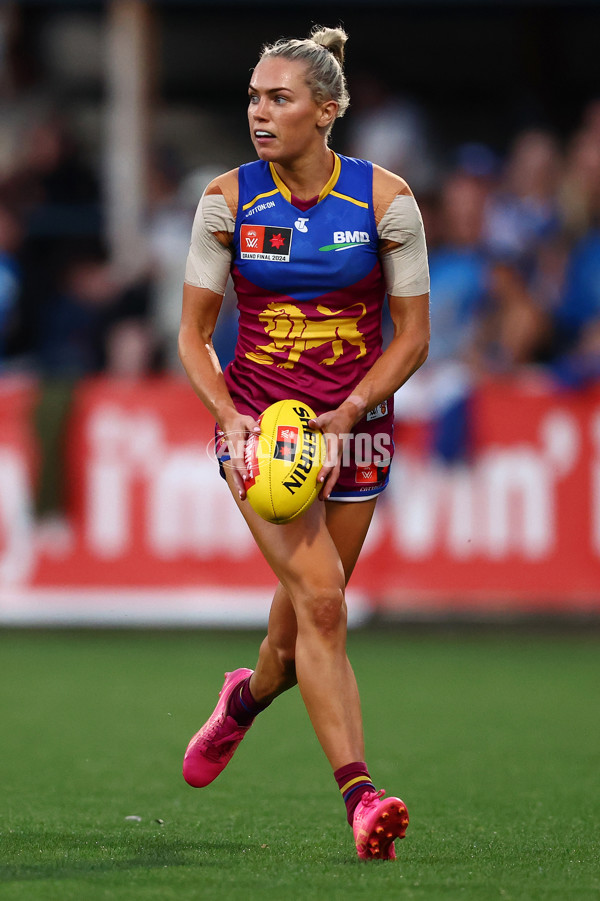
{"x": 154, "y": 534}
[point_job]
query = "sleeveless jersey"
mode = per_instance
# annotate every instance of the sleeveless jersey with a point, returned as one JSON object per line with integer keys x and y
{"x": 310, "y": 289}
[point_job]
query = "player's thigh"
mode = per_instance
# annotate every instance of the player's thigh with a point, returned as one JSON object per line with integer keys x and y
{"x": 301, "y": 553}
{"x": 348, "y": 524}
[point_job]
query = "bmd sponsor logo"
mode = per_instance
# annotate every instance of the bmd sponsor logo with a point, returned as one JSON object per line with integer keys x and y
{"x": 344, "y": 240}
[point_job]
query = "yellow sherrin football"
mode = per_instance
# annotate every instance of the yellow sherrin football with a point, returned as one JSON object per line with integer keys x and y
{"x": 283, "y": 462}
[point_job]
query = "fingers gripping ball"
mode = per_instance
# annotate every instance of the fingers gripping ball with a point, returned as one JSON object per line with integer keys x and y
{"x": 283, "y": 462}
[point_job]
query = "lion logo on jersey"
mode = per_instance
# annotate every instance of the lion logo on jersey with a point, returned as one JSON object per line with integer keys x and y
{"x": 292, "y": 332}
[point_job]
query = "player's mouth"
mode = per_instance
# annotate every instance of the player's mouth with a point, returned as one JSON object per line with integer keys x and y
{"x": 263, "y": 137}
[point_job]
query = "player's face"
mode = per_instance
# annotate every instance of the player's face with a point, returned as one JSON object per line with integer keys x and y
{"x": 284, "y": 119}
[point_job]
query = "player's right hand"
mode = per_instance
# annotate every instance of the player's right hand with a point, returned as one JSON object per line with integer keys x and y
{"x": 237, "y": 429}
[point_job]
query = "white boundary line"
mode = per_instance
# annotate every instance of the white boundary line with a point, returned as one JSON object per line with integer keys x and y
{"x": 168, "y": 607}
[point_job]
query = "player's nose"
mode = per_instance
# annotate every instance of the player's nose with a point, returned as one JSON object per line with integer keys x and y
{"x": 258, "y": 110}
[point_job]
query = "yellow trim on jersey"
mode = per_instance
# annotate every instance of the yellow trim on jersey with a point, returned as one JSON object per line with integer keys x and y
{"x": 337, "y": 168}
{"x": 350, "y": 199}
{"x": 281, "y": 186}
{"x": 328, "y": 189}
{"x": 258, "y": 197}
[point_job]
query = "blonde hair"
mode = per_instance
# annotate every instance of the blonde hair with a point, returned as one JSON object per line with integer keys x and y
{"x": 323, "y": 55}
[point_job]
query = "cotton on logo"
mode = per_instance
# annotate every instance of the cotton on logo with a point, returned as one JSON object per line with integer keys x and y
{"x": 504, "y": 504}
{"x": 133, "y": 475}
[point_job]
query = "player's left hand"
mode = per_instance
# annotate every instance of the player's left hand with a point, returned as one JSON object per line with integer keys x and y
{"x": 336, "y": 426}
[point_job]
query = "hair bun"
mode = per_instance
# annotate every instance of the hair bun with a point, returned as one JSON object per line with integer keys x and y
{"x": 324, "y": 71}
{"x": 332, "y": 39}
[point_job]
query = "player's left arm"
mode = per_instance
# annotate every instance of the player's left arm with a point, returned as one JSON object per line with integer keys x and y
{"x": 405, "y": 353}
{"x": 403, "y": 255}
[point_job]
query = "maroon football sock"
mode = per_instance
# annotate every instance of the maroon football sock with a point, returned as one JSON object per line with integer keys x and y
{"x": 242, "y": 706}
{"x": 353, "y": 781}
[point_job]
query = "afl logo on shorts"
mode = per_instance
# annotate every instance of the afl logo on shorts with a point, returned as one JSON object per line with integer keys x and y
{"x": 366, "y": 475}
{"x": 265, "y": 242}
{"x": 378, "y": 412}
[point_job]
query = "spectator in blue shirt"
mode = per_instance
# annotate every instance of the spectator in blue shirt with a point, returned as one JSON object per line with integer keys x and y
{"x": 440, "y": 392}
{"x": 525, "y": 211}
{"x": 578, "y": 316}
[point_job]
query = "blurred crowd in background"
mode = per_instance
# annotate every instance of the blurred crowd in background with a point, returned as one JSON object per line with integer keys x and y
{"x": 514, "y": 244}
{"x": 513, "y": 236}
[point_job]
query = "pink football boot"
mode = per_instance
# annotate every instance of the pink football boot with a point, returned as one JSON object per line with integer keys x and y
{"x": 378, "y": 821}
{"x": 211, "y": 749}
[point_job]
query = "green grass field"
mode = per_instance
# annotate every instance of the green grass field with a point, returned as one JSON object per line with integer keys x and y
{"x": 493, "y": 742}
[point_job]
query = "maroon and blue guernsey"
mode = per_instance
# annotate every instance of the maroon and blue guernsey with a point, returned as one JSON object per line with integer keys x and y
{"x": 310, "y": 288}
{"x": 310, "y": 278}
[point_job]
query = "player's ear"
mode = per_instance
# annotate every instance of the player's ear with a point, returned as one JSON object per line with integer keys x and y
{"x": 327, "y": 113}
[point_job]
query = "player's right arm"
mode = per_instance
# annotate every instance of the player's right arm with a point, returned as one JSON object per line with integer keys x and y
{"x": 207, "y": 270}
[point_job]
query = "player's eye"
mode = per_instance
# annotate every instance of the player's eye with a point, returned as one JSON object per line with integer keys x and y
{"x": 253, "y": 98}
{"x": 280, "y": 99}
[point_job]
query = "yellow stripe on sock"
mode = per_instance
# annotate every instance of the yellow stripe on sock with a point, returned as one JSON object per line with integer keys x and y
{"x": 355, "y": 782}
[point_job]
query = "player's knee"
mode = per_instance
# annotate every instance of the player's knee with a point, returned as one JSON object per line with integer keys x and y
{"x": 324, "y": 611}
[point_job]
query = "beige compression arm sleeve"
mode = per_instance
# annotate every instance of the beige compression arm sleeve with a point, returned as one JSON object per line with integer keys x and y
{"x": 209, "y": 260}
{"x": 405, "y": 262}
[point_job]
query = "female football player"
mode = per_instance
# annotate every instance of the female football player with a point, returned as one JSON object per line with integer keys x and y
{"x": 313, "y": 241}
